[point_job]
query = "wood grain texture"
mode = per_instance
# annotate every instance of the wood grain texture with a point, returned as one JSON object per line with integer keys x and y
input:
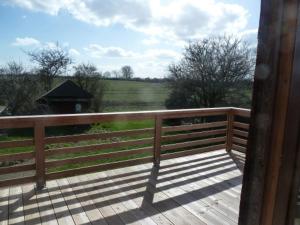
{"x": 267, "y": 152}
{"x": 194, "y": 126}
{"x": 199, "y": 189}
{"x": 39, "y": 136}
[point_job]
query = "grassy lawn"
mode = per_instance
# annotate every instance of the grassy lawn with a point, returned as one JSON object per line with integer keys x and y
{"x": 134, "y": 95}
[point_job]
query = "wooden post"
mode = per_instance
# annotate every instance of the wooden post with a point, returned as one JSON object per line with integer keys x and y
{"x": 275, "y": 117}
{"x": 39, "y": 143}
{"x": 230, "y": 117}
{"x": 157, "y": 140}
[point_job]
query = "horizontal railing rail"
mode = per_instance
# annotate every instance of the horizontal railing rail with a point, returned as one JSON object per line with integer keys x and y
{"x": 174, "y": 133}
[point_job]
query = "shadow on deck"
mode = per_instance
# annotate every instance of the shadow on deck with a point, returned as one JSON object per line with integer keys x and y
{"x": 199, "y": 189}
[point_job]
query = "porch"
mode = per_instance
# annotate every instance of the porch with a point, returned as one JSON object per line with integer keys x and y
{"x": 182, "y": 174}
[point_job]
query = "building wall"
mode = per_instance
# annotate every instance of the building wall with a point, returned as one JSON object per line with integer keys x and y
{"x": 68, "y": 107}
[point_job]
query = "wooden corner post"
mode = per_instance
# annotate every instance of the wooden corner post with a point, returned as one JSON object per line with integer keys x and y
{"x": 229, "y": 130}
{"x": 273, "y": 143}
{"x": 39, "y": 139}
{"x": 157, "y": 140}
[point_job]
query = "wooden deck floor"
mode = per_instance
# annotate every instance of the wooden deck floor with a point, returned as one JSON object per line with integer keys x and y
{"x": 199, "y": 189}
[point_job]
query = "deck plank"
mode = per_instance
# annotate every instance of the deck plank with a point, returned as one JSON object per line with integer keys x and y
{"x": 165, "y": 205}
{"x": 94, "y": 215}
{"x": 45, "y": 208}
{"x": 129, "y": 203}
{"x": 111, "y": 217}
{"x": 208, "y": 195}
{"x": 78, "y": 214}
{"x": 198, "y": 207}
{"x": 60, "y": 207}
{"x": 199, "y": 189}
{"x": 31, "y": 210}
{"x": 149, "y": 210}
{"x": 4, "y": 194}
{"x": 16, "y": 214}
{"x": 113, "y": 199}
{"x": 221, "y": 186}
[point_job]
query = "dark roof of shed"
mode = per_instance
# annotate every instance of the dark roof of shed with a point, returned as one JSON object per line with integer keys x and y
{"x": 67, "y": 89}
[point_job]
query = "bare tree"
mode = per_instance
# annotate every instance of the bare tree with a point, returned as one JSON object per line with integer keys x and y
{"x": 89, "y": 79}
{"x": 127, "y": 72}
{"x": 116, "y": 74}
{"x": 18, "y": 89}
{"x": 51, "y": 62}
{"x": 208, "y": 72}
{"x": 83, "y": 74}
{"x": 107, "y": 74}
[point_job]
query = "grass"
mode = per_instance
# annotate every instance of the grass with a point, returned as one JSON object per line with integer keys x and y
{"x": 122, "y": 125}
{"x": 124, "y": 95}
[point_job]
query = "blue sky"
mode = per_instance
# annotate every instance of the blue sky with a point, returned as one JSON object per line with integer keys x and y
{"x": 146, "y": 34}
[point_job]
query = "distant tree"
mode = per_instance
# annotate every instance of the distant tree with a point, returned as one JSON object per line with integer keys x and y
{"x": 51, "y": 62}
{"x": 18, "y": 89}
{"x": 83, "y": 74}
{"x": 116, "y": 74}
{"x": 208, "y": 72}
{"x": 127, "y": 72}
{"x": 90, "y": 79}
{"x": 107, "y": 74}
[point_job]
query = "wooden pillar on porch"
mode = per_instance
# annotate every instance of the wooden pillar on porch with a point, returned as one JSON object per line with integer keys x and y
{"x": 268, "y": 184}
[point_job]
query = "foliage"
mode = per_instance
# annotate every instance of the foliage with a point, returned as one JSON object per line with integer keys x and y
{"x": 52, "y": 62}
{"x": 18, "y": 89}
{"x": 127, "y": 72}
{"x": 89, "y": 79}
{"x": 209, "y": 71}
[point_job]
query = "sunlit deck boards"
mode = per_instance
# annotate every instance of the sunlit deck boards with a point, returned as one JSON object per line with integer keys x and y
{"x": 199, "y": 189}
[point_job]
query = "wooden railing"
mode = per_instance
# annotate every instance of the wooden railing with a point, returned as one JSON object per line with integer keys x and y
{"x": 195, "y": 131}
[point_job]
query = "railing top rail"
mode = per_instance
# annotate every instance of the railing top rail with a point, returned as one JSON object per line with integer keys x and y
{"x": 241, "y": 112}
{"x": 72, "y": 119}
{"x": 88, "y": 118}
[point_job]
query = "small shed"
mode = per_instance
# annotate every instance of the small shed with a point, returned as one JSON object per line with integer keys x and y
{"x": 66, "y": 98}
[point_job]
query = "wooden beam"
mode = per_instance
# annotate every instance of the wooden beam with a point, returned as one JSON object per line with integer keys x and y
{"x": 39, "y": 136}
{"x": 230, "y": 119}
{"x": 157, "y": 140}
{"x": 267, "y": 152}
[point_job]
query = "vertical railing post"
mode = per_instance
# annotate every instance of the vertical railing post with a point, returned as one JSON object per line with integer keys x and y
{"x": 229, "y": 135}
{"x": 39, "y": 139}
{"x": 157, "y": 140}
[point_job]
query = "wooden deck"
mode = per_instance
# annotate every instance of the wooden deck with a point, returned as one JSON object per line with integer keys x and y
{"x": 199, "y": 189}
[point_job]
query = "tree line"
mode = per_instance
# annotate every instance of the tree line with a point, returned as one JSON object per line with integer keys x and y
{"x": 215, "y": 71}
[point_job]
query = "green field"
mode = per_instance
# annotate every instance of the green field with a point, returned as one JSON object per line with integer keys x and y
{"x": 121, "y": 95}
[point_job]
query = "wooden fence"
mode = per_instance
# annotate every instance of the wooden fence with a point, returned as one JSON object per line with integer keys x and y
{"x": 195, "y": 131}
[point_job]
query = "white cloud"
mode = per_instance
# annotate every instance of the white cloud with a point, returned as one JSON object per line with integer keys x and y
{"x": 162, "y": 54}
{"x": 150, "y": 41}
{"x": 26, "y": 41}
{"x": 73, "y": 52}
{"x": 176, "y": 20}
{"x": 149, "y": 63}
{"x": 49, "y": 6}
{"x": 97, "y": 51}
